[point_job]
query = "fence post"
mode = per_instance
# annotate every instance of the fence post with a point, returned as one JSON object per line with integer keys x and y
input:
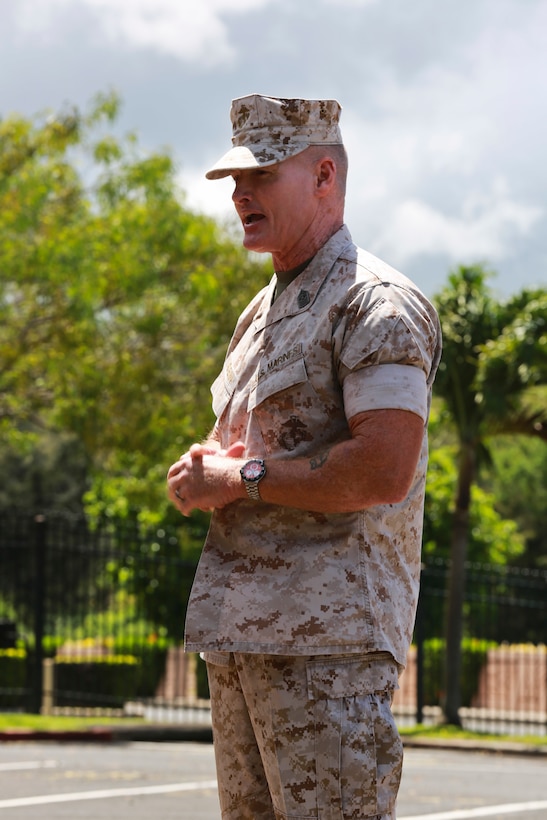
{"x": 419, "y": 638}
{"x": 37, "y": 679}
{"x": 48, "y": 686}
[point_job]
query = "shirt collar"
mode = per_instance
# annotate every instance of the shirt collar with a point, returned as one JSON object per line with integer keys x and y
{"x": 300, "y": 294}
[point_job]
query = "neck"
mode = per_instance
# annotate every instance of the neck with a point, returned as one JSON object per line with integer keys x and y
{"x": 299, "y": 256}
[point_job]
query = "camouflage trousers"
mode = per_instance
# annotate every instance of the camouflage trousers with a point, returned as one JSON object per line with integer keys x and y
{"x": 298, "y": 738}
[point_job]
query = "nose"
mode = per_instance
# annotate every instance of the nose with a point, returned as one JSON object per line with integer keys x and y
{"x": 241, "y": 191}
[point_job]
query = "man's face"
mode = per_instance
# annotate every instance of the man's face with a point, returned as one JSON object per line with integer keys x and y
{"x": 277, "y": 206}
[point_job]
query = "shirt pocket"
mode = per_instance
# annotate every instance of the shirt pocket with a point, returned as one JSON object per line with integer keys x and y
{"x": 286, "y": 409}
{"x": 276, "y": 381}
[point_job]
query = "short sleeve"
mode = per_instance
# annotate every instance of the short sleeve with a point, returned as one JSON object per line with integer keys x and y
{"x": 386, "y": 386}
{"x": 386, "y": 355}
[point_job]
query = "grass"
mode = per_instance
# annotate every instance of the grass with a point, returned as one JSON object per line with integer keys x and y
{"x": 62, "y": 723}
{"x": 455, "y": 733}
{"x": 75, "y": 723}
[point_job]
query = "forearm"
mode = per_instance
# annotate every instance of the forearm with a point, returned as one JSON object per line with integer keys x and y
{"x": 376, "y": 466}
{"x": 334, "y": 481}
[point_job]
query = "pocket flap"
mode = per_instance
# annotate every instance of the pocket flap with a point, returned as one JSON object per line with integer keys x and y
{"x": 276, "y": 380}
{"x": 350, "y": 676}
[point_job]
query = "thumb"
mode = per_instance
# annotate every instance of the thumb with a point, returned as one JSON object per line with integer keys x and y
{"x": 236, "y": 450}
{"x": 198, "y": 451}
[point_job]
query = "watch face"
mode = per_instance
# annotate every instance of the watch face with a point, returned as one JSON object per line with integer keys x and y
{"x": 253, "y": 470}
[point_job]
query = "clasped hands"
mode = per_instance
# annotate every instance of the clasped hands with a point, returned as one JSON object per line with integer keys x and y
{"x": 206, "y": 478}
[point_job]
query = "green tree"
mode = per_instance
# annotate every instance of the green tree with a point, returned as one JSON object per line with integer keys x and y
{"x": 116, "y": 306}
{"x": 116, "y": 302}
{"x": 493, "y": 539}
{"x": 494, "y": 360}
{"x": 518, "y": 481}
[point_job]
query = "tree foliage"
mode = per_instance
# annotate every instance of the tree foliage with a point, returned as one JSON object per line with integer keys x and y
{"x": 493, "y": 538}
{"x": 518, "y": 482}
{"x": 116, "y": 302}
{"x": 494, "y": 361}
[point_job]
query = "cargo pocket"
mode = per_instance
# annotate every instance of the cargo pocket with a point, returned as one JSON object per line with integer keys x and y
{"x": 359, "y": 751}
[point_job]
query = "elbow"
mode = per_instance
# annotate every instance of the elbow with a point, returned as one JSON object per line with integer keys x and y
{"x": 398, "y": 495}
{"x": 396, "y": 490}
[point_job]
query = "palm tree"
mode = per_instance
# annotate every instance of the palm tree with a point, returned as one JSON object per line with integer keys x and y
{"x": 494, "y": 359}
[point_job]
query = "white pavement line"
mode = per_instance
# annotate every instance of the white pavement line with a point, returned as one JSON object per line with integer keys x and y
{"x": 28, "y": 764}
{"x": 106, "y": 794}
{"x": 484, "y": 811}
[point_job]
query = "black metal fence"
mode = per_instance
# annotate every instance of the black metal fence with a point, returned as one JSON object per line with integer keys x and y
{"x": 504, "y": 654}
{"x": 91, "y": 618}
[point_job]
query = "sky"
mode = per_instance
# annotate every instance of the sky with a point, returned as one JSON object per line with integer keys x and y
{"x": 444, "y": 106}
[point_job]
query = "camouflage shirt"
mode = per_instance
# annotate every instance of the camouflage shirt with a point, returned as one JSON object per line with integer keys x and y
{"x": 349, "y": 334}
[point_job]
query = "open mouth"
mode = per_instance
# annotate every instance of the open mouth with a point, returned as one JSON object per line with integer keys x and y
{"x": 250, "y": 219}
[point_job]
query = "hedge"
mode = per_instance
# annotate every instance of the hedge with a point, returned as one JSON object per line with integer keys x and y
{"x": 133, "y": 671}
{"x": 13, "y": 673}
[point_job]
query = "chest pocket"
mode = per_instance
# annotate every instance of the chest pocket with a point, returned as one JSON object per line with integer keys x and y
{"x": 289, "y": 375}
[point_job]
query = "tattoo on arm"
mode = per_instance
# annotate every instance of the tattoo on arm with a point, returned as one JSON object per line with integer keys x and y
{"x": 318, "y": 461}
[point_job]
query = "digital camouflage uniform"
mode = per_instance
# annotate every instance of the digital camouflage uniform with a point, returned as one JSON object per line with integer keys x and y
{"x": 305, "y": 618}
{"x": 348, "y": 335}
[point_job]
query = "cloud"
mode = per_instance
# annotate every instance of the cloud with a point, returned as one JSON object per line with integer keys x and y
{"x": 444, "y": 163}
{"x": 189, "y": 30}
{"x": 350, "y": 3}
{"x": 440, "y": 101}
{"x": 207, "y": 196}
{"x": 485, "y": 229}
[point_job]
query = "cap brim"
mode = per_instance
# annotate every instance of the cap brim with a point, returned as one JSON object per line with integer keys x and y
{"x": 241, "y": 157}
{"x": 234, "y": 160}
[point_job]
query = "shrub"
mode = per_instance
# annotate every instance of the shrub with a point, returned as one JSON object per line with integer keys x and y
{"x": 103, "y": 681}
{"x": 12, "y": 677}
{"x": 474, "y": 653}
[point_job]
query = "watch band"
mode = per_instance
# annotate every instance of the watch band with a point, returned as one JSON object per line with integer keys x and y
{"x": 252, "y": 490}
{"x": 252, "y": 472}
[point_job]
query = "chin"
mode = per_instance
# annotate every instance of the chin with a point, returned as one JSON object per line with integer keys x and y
{"x": 254, "y": 245}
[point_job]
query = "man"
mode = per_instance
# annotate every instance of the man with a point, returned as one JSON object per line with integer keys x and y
{"x": 304, "y": 599}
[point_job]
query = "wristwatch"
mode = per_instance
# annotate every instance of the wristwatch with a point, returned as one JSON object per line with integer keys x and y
{"x": 252, "y": 472}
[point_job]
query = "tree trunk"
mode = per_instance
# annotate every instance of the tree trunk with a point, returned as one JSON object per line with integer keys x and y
{"x": 456, "y": 587}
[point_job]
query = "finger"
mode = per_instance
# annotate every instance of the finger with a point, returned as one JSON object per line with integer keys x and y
{"x": 175, "y": 483}
{"x": 198, "y": 451}
{"x": 236, "y": 450}
{"x": 174, "y": 469}
{"x": 180, "y": 502}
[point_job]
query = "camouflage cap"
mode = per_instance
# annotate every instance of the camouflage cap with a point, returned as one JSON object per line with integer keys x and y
{"x": 267, "y": 130}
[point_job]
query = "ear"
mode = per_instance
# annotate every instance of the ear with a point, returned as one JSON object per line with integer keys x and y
{"x": 325, "y": 176}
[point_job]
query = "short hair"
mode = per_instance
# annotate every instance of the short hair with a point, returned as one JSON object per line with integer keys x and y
{"x": 340, "y": 156}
